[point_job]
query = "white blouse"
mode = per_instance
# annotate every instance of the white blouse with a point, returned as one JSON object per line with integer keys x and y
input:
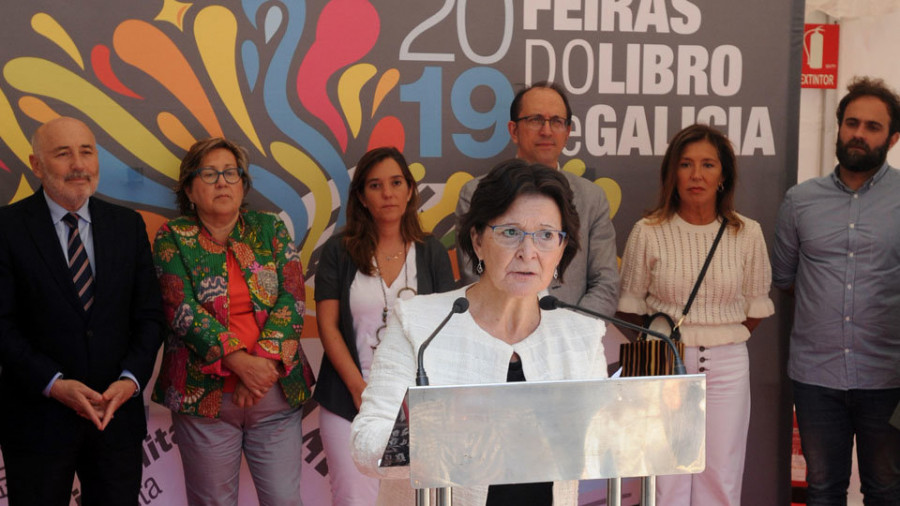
{"x": 367, "y": 301}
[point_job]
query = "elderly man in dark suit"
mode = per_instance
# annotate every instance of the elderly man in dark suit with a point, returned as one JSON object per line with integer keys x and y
{"x": 80, "y": 325}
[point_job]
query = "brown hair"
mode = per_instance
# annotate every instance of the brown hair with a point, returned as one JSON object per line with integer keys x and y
{"x": 192, "y": 161}
{"x": 505, "y": 183}
{"x": 668, "y": 200}
{"x": 515, "y": 107}
{"x": 871, "y": 87}
{"x": 360, "y": 232}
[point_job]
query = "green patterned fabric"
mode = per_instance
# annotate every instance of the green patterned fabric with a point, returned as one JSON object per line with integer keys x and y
{"x": 193, "y": 276}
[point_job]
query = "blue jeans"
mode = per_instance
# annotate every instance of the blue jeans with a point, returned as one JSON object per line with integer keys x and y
{"x": 828, "y": 420}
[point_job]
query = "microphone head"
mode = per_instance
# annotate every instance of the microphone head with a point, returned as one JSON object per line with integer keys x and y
{"x": 461, "y": 305}
{"x": 548, "y": 303}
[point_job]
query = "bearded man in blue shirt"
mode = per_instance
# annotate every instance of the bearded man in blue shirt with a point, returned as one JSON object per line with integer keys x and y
{"x": 837, "y": 249}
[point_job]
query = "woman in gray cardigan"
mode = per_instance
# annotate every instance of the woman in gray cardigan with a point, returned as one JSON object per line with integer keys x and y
{"x": 381, "y": 255}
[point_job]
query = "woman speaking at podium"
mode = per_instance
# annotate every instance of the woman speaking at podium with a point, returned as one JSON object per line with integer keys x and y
{"x": 521, "y": 231}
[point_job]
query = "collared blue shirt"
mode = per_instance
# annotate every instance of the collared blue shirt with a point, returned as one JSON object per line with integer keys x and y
{"x": 62, "y": 230}
{"x": 840, "y": 250}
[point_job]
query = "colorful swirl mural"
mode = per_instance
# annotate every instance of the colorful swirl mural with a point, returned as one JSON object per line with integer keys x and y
{"x": 297, "y": 83}
{"x": 153, "y": 86}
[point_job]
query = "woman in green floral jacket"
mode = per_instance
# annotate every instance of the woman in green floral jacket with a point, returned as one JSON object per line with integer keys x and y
{"x": 233, "y": 372}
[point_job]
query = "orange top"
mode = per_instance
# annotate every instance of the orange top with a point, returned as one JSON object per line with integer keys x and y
{"x": 241, "y": 319}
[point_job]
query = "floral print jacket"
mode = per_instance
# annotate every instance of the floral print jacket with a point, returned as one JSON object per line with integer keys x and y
{"x": 193, "y": 275}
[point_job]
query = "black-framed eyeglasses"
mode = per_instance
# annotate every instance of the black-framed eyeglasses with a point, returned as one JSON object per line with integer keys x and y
{"x": 536, "y": 122}
{"x": 509, "y": 236}
{"x": 211, "y": 176}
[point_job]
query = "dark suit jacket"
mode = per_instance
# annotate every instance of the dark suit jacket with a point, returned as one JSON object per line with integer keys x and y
{"x": 44, "y": 330}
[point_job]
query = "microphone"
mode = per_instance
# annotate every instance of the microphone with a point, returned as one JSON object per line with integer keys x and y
{"x": 549, "y": 303}
{"x": 460, "y": 305}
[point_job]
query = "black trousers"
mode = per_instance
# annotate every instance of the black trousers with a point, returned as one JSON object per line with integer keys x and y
{"x": 110, "y": 475}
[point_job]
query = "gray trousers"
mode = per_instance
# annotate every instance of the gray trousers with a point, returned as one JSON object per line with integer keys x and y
{"x": 269, "y": 436}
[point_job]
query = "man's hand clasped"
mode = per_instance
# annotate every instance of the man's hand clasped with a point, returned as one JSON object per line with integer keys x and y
{"x": 90, "y": 404}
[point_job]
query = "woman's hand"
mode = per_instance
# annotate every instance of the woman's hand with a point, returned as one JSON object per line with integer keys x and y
{"x": 356, "y": 391}
{"x": 336, "y": 350}
{"x": 634, "y": 319}
{"x": 256, "y": 373}
{"x": 242, "y": 397}
{"x": 751, "y": 323}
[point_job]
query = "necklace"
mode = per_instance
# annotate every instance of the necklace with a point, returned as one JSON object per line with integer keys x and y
{"x": 381, "y": 283}
{"x": 391, "y": 258}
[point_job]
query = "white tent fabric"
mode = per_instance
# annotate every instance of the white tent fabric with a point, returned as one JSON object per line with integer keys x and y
{"x": 868, "y": 40}
{"x": 846, "y": 9}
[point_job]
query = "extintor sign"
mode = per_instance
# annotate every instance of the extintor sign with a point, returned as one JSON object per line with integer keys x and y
{"x": 820, "y": 56}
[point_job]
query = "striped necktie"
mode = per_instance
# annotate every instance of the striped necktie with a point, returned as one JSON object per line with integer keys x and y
{"x": 79, "y": 265}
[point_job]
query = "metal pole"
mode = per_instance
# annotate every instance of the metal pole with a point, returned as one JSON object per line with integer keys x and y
{"x": 423, "y": 497}
{"x": 648, "y": 491}
{"x": 614, "y": 492}
{"x": 444, "y": 496}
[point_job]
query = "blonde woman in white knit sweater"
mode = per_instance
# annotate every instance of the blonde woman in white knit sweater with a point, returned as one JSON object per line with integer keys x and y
{"x": 663, "y": 257}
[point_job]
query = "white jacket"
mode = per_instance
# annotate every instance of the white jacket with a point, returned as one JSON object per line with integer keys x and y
{"x": 565, "y": 345}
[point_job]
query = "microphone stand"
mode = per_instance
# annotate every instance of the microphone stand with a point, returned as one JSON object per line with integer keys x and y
{"x": 550, "y": 302}
{"x": 460, "y": 305}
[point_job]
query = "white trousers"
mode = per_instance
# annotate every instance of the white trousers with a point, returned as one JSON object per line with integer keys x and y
{"x": 349, "y": 487}
{"x": 727, "y": 370}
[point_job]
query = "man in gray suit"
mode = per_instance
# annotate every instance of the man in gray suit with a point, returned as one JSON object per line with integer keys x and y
{"x": 540, "y": 120}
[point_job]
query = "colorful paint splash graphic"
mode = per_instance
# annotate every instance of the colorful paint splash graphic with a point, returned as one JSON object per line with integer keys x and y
{"x": 292, "y": 81}
{"x": 154, "y": 86}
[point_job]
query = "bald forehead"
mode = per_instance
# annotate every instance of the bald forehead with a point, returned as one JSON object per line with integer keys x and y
{"x": 546, "y": 99}
{"x": 61, "y": 133}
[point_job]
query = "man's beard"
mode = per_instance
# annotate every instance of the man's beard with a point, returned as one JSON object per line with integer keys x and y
{"x": 870, "y": 160}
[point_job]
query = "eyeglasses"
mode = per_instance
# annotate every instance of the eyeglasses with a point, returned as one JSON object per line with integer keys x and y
{"x": 211, "y": 176}
{"x": 511, "y": 237}
{"x": 536, "y": 122}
